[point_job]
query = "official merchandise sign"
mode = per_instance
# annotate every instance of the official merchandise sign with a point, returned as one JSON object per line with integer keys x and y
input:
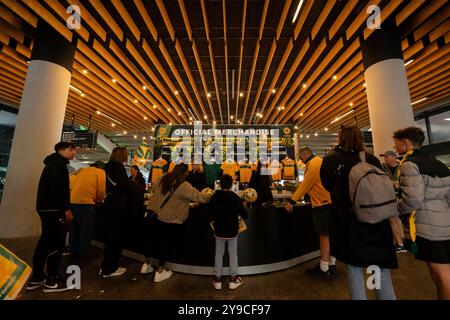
{"x": 86, "y": 139}
{"x": 201, "y": 142}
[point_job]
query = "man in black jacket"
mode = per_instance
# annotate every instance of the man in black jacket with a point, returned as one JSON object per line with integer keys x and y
{"x": 53, "y": 207}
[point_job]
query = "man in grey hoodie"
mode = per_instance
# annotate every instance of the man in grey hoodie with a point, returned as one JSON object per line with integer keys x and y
{"x": 425, "y": 192}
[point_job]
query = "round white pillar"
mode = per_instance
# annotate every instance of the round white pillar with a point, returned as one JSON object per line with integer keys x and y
{"x": 38, "y": 129}
{"x": 387, "y": 87}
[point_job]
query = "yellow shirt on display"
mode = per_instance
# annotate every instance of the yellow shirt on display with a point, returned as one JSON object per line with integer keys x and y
{"x": 288, "y": 169}
{"x": 158, "y": 168}
{"x": 245, "y": 172}
{"x": 230, "y": 168}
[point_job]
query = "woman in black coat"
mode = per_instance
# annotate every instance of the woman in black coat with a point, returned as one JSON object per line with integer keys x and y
{"x": 357, "y": 244}
{"x": 116, "y": 206}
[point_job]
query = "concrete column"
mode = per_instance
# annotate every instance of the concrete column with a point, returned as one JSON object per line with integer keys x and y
{"x": 387, "y": 87}
{"x": 38, "y": 129}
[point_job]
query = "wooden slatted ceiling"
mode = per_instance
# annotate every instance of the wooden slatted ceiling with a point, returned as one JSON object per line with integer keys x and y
{"x": 164, "y": 55}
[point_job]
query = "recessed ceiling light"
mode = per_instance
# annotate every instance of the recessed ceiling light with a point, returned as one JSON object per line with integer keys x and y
{"x": 170, "y": 123}
{"x": 278, "y": 108}
{"x": 214, "y": 122}
{"x": 295, "y": 127}
{"x": 113, "y": 124}
{"x": 145, "y": 118}
{"x": 208, "y": 95}
{"x": 168, "y": 109}
{"x": 273, "y": 90}
{"x": 335, "y": 77}
{"x": 241, "y": 94}
{"x": 316, "y": 134}
{"x": 282, "y": 108}
{"x": 82, "y": 94}
{"x": 304, "y": 86}
{"x": 144, "y": 87}
{"x": 205, "y": 117}
{"x": 301, "y": 136}
{"x": 231, "y": 117}
{"x": 135, "y": 137}
{"x": 85, "y": 71}
{"x": 190, "y": 122}
{"x": 153, "y": 128}
{"x": 176, "y": 91}
{"x": 98, "y": 112}
{"x": 114, "y": 80}
{"x": 351, "y": 104}
{"x": 154, "y": 106}
{"x": 190, "y": 118}
{"x": 365, "y": 85}
{"x": 301, "y": 114}
{"x": 307, "y": 136}
{"x": 135, "y": 101}
{"x": 326, "y": 129}
{"x": 144, "y": 138}
{"x": 179, "y": 113}
{"x": 125, "y": 132}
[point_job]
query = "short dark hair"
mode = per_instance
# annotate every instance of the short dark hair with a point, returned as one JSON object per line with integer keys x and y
{"x": 226, "y": 181}
{"x": 135, "y": 167}
{"x": 413, "y": 134}
{"x": 64, "y": 145}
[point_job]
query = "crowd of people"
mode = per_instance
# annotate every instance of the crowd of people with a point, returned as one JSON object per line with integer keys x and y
{"x": 421, "y": 183}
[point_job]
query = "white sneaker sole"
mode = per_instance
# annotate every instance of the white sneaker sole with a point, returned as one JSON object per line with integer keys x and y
{"x": 163, "y": 278}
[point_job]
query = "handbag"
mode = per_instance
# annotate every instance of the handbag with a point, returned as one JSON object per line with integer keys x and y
{"x": 242, "y": 225}
{"x": 115, "y": 200}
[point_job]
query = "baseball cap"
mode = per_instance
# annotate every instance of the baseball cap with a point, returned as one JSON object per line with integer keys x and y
{"x": 389, "y": 153}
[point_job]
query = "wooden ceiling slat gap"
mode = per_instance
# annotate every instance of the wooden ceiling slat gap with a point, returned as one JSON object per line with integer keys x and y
{"x": 51, "y": 19}
{"x": 112, "y": 24}
{"x": 127, "y": 18}
{"x": 408, "y": 10}
{"x": 428, "y": 26}
{"x": 384, "y": 15}
{"x": 147, "y": 20}
{"x": 302, "y": 18}
{"x": 286, "y": 80}
{"x": 21, "y": 11}
{"x": 241, "y": 53}
{"x": 165, "y": 16}
{"x": 269, "y": 60}
{"x": 322, "y": 18}
{"x": 312, "y": 78}
{"x": 225, "y": 44}
{"x": 61, "y": 11}
{"x": 211, "y": 58}
{"x": 350, "y": 5}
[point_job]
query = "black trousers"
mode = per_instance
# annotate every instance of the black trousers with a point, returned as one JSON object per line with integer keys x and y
{"x": 115, "y": 230}
{"x": 50, "y": 245}
{"x": 170, "y": 237}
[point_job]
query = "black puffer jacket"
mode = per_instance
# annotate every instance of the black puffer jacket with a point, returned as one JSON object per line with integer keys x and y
{"x": 54, "y": 187}
{"x": 353, "y": 242}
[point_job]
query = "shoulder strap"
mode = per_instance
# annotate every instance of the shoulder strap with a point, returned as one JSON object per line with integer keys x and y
{"x": 112, "y": 182}
{"x": 362, "y": 156}
{"x": 168, "y": 198}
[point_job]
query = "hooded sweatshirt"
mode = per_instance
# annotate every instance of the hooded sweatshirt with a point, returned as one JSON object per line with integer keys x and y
{"x": 54, "y": 187}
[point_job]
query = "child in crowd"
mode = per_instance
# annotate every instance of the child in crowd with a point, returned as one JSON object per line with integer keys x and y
{"x": 226, "y": 207}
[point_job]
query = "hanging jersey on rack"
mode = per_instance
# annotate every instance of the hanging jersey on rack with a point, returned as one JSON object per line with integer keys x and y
{"x": 157, "y": 169}
{"x": 245, "y": 172}
{"x": 288, "y": 169}
{"x": 230, "y": 168}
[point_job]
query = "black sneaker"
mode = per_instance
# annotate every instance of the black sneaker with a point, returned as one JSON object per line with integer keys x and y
{"x": 56, "y": 285}
{"x": 35, "y": 283}
{"x": 317, "y": 273}
{"x": 333, "y": 270}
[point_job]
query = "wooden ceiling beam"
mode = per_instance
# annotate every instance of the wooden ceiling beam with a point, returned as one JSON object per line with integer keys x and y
{"x": 241, "y": 53}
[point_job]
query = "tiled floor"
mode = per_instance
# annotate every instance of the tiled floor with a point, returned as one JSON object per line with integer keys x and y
{"x": 411, "y": 281}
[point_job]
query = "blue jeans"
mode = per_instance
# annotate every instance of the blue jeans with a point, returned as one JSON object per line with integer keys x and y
{"x": 232, "y": 253}
{"x": 357, "y": 284}
{"x": 80, "y": 233}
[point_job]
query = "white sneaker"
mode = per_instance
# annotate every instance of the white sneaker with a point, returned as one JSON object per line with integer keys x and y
{"x": 163, "y": 275}
{"x": 217, "y": 284}
{"x": 235, "y": 283}
{"x": 146, "y": 268}
{"x": 120, "y": 271}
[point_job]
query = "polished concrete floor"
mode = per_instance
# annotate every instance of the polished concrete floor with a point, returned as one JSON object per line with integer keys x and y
{"x": 411, "y": 282}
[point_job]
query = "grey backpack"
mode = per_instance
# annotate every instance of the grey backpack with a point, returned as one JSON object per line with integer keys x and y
{"x": 371, "y": 192}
